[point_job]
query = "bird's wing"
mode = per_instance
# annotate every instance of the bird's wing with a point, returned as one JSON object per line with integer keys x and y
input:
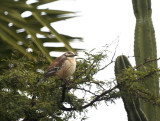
{"x": 55, "y": 66}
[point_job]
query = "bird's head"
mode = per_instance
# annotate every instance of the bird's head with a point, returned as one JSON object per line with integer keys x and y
{"x": 69, "y": 54}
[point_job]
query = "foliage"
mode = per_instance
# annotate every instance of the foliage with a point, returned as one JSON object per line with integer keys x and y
{"x": 26, "y": 32}
{"x": 22, "y": 98}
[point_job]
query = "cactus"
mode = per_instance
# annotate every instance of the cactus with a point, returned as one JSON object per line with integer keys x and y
{"x": 144, "y": 49}
{"x": 131, "y": 103}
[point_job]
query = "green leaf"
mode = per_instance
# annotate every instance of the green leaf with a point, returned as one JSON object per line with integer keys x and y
{"x": 53, "y": 31}
{"x": 12, "y": 42}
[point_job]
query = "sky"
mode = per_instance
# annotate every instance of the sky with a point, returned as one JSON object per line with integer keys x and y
{"x": 100, "y": 22}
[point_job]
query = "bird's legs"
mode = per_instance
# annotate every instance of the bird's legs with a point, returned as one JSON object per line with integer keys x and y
{"x": 67, "y": 82}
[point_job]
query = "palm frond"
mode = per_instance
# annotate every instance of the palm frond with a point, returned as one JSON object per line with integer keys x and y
{"x": 15, "y": 28}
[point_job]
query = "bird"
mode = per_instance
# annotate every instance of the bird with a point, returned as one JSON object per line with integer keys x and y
{"x": 63, "y": 67}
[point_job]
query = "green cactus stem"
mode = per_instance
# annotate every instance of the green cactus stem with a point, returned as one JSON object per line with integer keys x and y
{"x": 131, "y": 102}
{"x": 145, "y": 49}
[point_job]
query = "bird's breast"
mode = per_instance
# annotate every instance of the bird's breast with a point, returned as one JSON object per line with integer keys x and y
{"x": 67, "y": 69}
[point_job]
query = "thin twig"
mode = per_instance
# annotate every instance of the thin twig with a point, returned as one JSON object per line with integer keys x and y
{"x": 83, "y": 89}
{"x": 146, "y": 61}
{"x": 115, "y": 50}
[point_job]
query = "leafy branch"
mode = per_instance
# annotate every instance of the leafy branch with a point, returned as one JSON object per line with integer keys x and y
{"x": 53, "y": 98}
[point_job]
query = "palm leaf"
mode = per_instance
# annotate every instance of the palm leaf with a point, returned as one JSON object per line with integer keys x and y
{"x": 14, "y": 29}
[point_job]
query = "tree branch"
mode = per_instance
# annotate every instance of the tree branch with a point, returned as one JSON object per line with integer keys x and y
{"x": 92, "y": 102}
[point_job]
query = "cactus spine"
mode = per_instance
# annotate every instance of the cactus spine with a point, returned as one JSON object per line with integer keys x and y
{"x": 131, "y": 103}
{"x": 144, "y": 49}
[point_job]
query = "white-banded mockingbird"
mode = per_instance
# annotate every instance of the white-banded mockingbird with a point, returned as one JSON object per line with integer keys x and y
{"x": 63, "y": 67}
